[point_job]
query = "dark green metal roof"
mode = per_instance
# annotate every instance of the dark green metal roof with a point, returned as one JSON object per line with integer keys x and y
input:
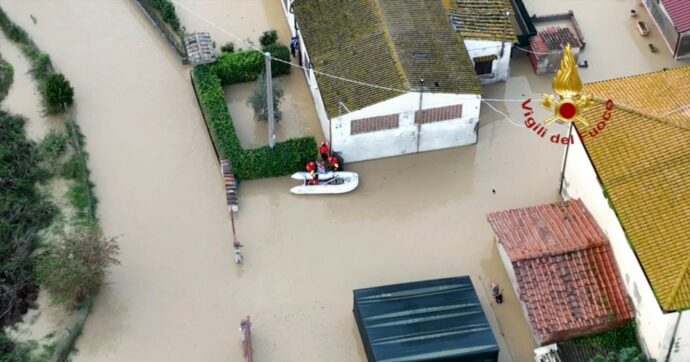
{"x": 433, "y": 320}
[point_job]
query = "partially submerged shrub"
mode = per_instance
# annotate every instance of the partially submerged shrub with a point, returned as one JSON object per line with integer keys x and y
{"x": 268, "y": 37}
{"x": 58, "y": 94}
{"x": 41, "y": 66}
{"x": 280, "y": 62}
{"x": 228, "y": 47}
{"x": 53, "y": 146}
{"x": 73, "y": 269}
{"x": 167, "y": 11}
{"x": 257, "y": 100}
{"x": 245, "y": 66}
{"x": 6, "y": 78}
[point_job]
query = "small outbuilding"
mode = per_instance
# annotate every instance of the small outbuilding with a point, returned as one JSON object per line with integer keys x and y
{"x": 563, "y": 270}
{"x": 547, "y": 48}
{"x": 432, "y": 320}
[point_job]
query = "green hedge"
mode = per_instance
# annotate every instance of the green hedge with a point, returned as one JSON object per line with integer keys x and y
{"x": 285, "y": 158}
{"x": 167, "y": 11}
{"x": 245, "y": 66}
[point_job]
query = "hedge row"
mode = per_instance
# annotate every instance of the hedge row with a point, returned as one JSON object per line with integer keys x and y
{"x": 285, "y": 158}
{"x": 245, "y": 66}
{"x": 167, "y": 11}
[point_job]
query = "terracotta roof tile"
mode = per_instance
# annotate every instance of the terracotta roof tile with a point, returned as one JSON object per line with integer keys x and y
{"x": 679, "y": 11}
{"x": 566, "y": 273}
{"x": 642, "y": 158}
{"x": 550, "y": 229}
{"x": 554, "y": 38}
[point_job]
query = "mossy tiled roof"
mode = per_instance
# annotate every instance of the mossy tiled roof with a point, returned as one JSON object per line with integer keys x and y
{"x": 642, "y": 157}
{"x": 390, "y": 43}
{"x": 483, "y": 19}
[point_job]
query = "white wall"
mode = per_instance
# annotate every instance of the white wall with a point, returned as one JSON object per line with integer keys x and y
{"x": 501, "y": 67}
{"x": 655, "y": 327}
{"x": 403, "y": 140}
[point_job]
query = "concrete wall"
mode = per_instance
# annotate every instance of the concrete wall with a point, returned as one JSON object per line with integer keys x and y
{"x": 655, "y": 327}
{"x": 683, "y": 49}
{"x": 663, "y": 22}
{"x": 403, "y": 140}
{"x": 549, "y": 63}
{"x": 501, "y": 67}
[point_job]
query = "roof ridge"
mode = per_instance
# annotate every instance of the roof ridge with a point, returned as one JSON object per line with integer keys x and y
{"x": 679, "y": 281}
{"x": 638, "y": 112}
{"x": 391, "y": 46}
{"x": 637, "y": 75}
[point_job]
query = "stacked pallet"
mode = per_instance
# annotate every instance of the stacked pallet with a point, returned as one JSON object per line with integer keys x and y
{"x": 230, "y": 185}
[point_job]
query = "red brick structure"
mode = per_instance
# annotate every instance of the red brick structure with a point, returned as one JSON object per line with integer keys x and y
{"x": 563, "y": 270}
{"x": 547, "y": 48}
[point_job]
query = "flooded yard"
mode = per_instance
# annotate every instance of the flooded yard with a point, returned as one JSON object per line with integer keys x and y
{"x": 178, "y": 296}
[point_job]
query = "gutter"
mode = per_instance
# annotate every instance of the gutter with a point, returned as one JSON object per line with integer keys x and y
{"x": 565, "y": 161}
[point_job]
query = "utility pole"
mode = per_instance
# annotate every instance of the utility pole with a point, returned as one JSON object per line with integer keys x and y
{"x": 503, "y": 41}
{"x": 269, "y": 102}
{"x": 419, "y": 124}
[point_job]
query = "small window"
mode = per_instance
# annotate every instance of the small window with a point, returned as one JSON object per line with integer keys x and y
{"x": 421, "y": 56}
{"x": 484, "y": 65}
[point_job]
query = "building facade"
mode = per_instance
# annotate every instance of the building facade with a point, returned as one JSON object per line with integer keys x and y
{"x": 631, "y": 171}
{"x": 672, "y": 17}
{"x": 428, "y": 95}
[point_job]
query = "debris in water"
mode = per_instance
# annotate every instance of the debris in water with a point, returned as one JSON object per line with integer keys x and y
{"x": 33, "y": 18}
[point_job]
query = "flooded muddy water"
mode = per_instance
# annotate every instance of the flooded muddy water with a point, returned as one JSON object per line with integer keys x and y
{"x": 178, "y": 295}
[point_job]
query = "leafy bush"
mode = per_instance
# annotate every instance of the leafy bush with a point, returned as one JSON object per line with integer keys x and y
{"x": 6, "y": 77}
{"x": 268, "y": 37}
{"x": 630, "y": 354}
{"x": 53, "y": 146}
{"x": 279, "y": 52}
{"x": 11, "y": 351}
{"x": 73, "y": 269}
{"x": 14, "y": 32}
{"x": 167, "y": 11}
{"x": 23, "y": 212}
{"x": 80, "y": 193}
{"x": 228, "y": 47}
{"x": 41, "y": 66}
{"x": 58, "y": 94}
{"x": 245, "y": 66}
{"x": 257, "y": 100}
{"x": 623, "y": 337}
{"x": 283, "y": 159}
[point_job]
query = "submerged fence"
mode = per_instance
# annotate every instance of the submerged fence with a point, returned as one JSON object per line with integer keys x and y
{"x": 174, "y": 39}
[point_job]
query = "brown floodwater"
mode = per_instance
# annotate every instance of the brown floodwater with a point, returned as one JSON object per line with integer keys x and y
{"x": 178, "y": 295}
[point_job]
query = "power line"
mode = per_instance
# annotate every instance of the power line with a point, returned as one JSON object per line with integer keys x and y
{"x": 252, "y": 46}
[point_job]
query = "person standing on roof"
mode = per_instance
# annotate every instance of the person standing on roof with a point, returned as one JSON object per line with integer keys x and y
{"x": 325, "y": 150}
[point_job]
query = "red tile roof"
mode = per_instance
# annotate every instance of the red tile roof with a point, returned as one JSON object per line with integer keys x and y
{"x": 544, "y": 230}
{"x": 567, "y": 276}
{"x": 679, "y": 11}
{"x": 554, "y": 38}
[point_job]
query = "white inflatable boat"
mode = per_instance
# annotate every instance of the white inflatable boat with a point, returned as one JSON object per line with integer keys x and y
{"x": 329, "y": 183}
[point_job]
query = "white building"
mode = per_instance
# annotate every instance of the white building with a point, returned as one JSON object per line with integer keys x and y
{"x": 429, "y": 95}
{"x": 488, "y": 35}
{"x": 632, "y": 170}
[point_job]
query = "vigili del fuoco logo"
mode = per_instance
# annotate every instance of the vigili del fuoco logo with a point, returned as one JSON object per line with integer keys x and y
{"x": 569, "y": 104}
